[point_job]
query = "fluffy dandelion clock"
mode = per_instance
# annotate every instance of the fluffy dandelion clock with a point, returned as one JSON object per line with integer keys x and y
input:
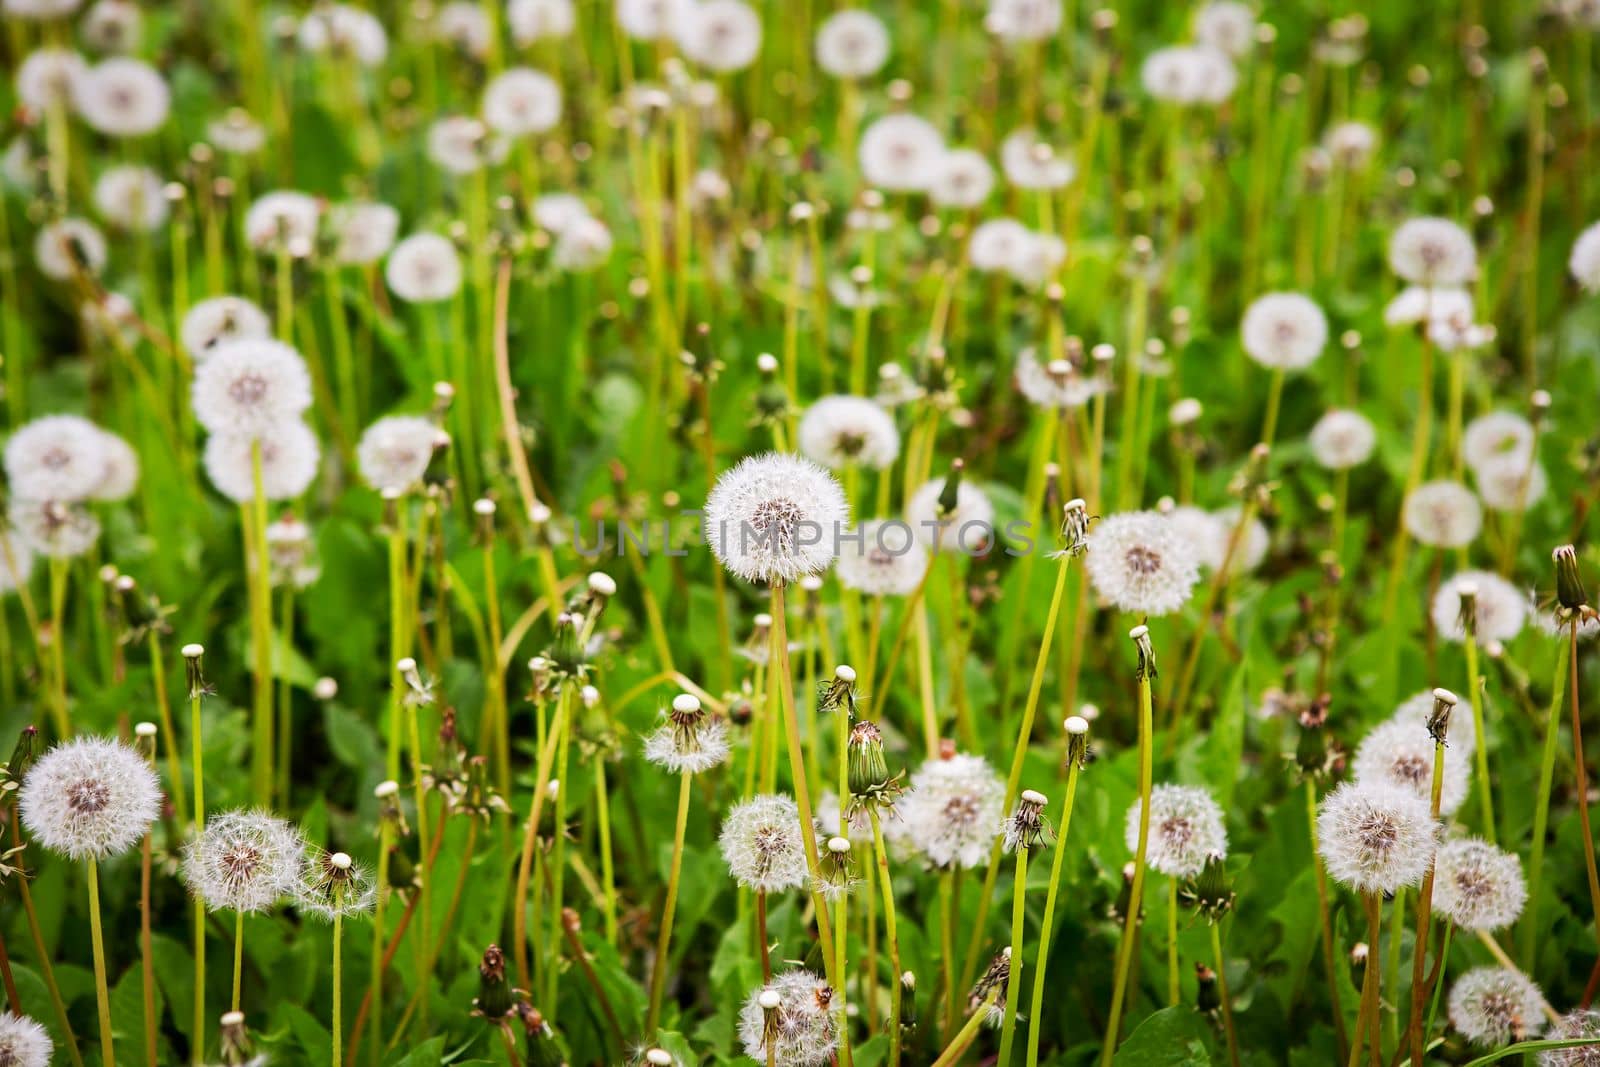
{"x": 344, "y": 32}
{"x": 283, "y": 219}
{"x": 837, "y": 431}
{"x": 90, "y": 797}
{"x": 689, "y": 742}
{"x": 243, "y": 861}
{"x": 1443, "y": 514}
{"x": 131, "y": 198}
{"x": 332, "y": 886}
{"x": 1496, "y": 434}
{"x": 997, "y": 244}
{"x": 1031, "y": 163}
{"x": 1039, "y": 258}
{"x": 53, "y": 528}
{"x": 289, "y": 457}
{"x": 64, "y": 247}
{"x": 1250, "y": 545}
{"x": 23, "y": 1042}
{"x": 122, "y": 97}
{"x": 1057, "y": 384}
{"x": 882, "y": 557}
{"x": 250, "y": 386}
{"x": 395, "y": 451}
{"x": 1580, "y": 1023}
{"x": 236, "y": 132}
{"x": 462, "y": 145}
{"x": 45, "y": 78}
{"x": 464, "y": 25}
{"x": 963, "y": 178}
{"x": 1376, "y": 838}
{"x": 952, "y": 812}
{"x": 1416, "y": 304}
{"x": 966, "y": 527}
{"x": 1494, "y": 1006}
{"x": 1350, "y": 144}
{"x": 1229, "y": 26}
{"x": 582, "y": 246}
{"x": 1511, "y": 483}
{"x": 1433, "y": 252}
{"x": 1397, "y": 754}
{"x": 1202, "y": 532}
{"x": 1284, "y": 331}
{"x": 649, "y": 20}
{"x": 1342, "y": 439}
{"x": 1584, "y": 263}
{"x": 1188, "y": 75}
{"x": 762, "y": 844}
{"x": 852, "y": 44}
{"x": 1501, "y": 609}
{"x": 538, "y": 20}
{"x": 119, "y": 471}
{"x": 720, "y": 35}
{"x": 899, "y": 153}
{"x": 521, "y": 101}
{"x": 1023, "y": 20}
{"x": 1186, "y": 829}
{"x": 1477, "y": 886}
{"x": 790, "y": 1021}
{"x": 557, "y": 212}
{"x": 55, "y": 457}
{"x": 39, "y": 9}
{"x": 424, "y": 269}
{"x": 113, "y": 26}
{"x": 213, "y": 323}
{"x": 363, "y": 231}
{"x": 775, "y": 518}
{"x": 1137, "y": 561}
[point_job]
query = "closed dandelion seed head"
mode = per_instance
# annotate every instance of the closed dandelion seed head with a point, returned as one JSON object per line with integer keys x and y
{"x": 45, "y": 78}
{"x": 250, "y": 386}
{"x": 1138, "y": 561}
{"x": 882, "y": 557}
{"x": 1443, "y": 514}
{"x": 122, "y": 97}
{"x": 1023, "y": 20}
{"x": 1584, "y": 263}
{"x": 536, "y": 20}
{"x": 800, "y": 1030}
{"x": 852, "y": 44}
{"x": 343, "y": 31}
{"x": 64, "y": 247}
{"x": 284, "y": 219}
{"x": 395, "y": 451}
{"x": 1057, "y": 384}
{"x": 775, "y": 518}
{"x": 1397, "y": 754}
{"x": 521, "y": 101}
{"x": 332, "y": 885}
{"x": 90, "y": 797}
{"x": 899, "y": 153}
{"x": 289, "y": 457}
{"x": 23, "y": 1042}
{"x": 951, "y": 812}
{"x": 1186, "y": 827}
{"x": 53, "y": 528}
{"x": 967, "y": 527}
{"x": 424, "y": 269}
{"x": 1032, "y": 163}
{"x": 584, "y": 245}
{"x": 244, "y": 861}
{"x": 131, "y": 198}
{"x": 1499, "y": 608}
{"x": 762, "y": 844}
{"x": 962, "y": 178}
{"x": 1511, "y": 483}
{"x": 56, "y": 457}
{"x": 1433, "y": 252}
{"x": 1342, "y": 439}
{"x": 363, "y": 231}
{"x": 1477, "y": 886}
{"x": 1495, "y": 1006}
{"x": 837, "y": 431}
{"x": 989, "y": 994}
{"x": 1580, "y": 1023}
{"x": 1284, "y": 331}
{"x": 213, "y": 323}
{"x": 1376, "y": 838}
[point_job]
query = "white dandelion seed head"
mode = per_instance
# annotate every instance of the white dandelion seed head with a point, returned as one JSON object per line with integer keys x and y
{"x": 556, "y": 212}
{"x": 363, "y": 231}
{"x": 1416, "y": 303}
{"x": 1501, "y": 609}
{"x": 521, "y": 101}
{"x": 1032, "y": 163}
{"x": 1494, "y": 1006}
{"x": 424, "y": 269}
{"x": 1496, "y": 434}
{"x": 582, "y": 246}
{"x": 1023, "y": 20}
{"x": 289, "y": 458}
{"x": 213, "y": 323}
{"x": 1511, "y": 482}
{"x": 1462, "y": 739}
{"x": 900, "y": 153}
{"x": 837, "y": 431}
{"x": 650, "y": 20}
{"x": 882, "y": 557}
{"x": 538, "y": 20}
{"x": 1459, "y": 334}
{"x": 131, "y": 197}
{"x": 112, "y": 26}
{"x": 1040, "y": 256}
{"x": 291, "y": 553}
{"x": 56, "y": 457}
{"x": 23, "y": 1042}
{"x": 462, "y": 145}
{"x": 962, "y": 178}
{"x": 1284, "y": 331}
{"x": 1138, "y": 562}
{"x": 62, "y": 247}
{"x": 332, "y": 885}
{"x": 969, "y": 527}
{"x": 1350, "y": 144}
{"x": 1201, "y": 531}
{"x": 1189, "y": 75}
{"x": 249, "y": 386}
{"x": 465, "y": 25}
{"x": 45, "y": 78}
{"x": 1229, "y": 26}
{"x": 243, "y": 861}
{"x": 719, "y": 35}
{"x": 1443, "y": 514}
{"x": 688, "y": 751}
{"x": 119, "y": 472}
{"x": 1433, "y": 252}
{"x": 806, "y": 1032}
{"x": 283, "y": 218}
{"x": 775, "y": 518}
{"x": 952, "y": 812}
{"x": 1582, "y": 1022}
{"x": 1057, "y": 384}
{"x": 236, "y": 132}
{"x": 1252, "y": 545}
{"x": 1397, "y": 754}
{"x": 344, "y": 32}
{"x": 1342, "y": 439}
{"x": 55, "y": 529}
{"x": 1186, "y": 829}
{"x": 852, "y": 44}
{"x": 39, "y": 9}
{"x": 90, "y": 797}
{"x": 1376, "y": 838}
{"x": 997, "y": 244}
{"x": 761, "y": 843}
{"x": 1477, "y": 886}
{"x": 122, "y": 97}
{"x": 395, "y": 451}
{"x": 1584, "y": 263}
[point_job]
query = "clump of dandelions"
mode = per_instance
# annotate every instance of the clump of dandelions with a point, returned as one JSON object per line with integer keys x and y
{"x": 1186, "y": 829}
{"x": 23, "y": 1042}
{"x": 1443, "y": 514}
{"x": 1494, "y": 1006}
{"x": 837, "y": 431}
{"x": 1583, "y": 1022}
{"x": 689, "y": 741}
{"x": 762, "y": 844}
{"x": 1477, "y": 886}
{"x": 244, "y": 861}
{"x": 793, "y": 1018}
{"x": 1499, "y": 608}
{"x": 90, "y": 797}
{"x": 775, "y": 518}
{"x": 951, "y": 811}
{"x": 1376, "y": 838}
{"x": 1399, "y": 754}
{"x": 1138, "y": 561}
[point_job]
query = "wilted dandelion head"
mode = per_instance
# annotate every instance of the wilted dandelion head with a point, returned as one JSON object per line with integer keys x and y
{"x": 967, "y": 527}
{"x": 56, "y": 529}
{"x": 1583, "y": 1022}
{"x": 90, "y": 797}
{"x": 1060, "y": 383}
{"x": 122, "y": 97}
{"x": 1494, "y": 1006}
{"x": 212, "y": 323}
{"x": 1500, "y": 608}
{"x": 793, "y": 1017}
{"x": 131, "y": 197}
{"x": 1443, "y": 514}
{"x": 852, "y": 44}
{"x": 363, "y": 231}
{"x": 1376, "y": 838}
{"x": 837, "y": 431}
{"x": 882, "y": 557}
{"x": 775, "y": 518}
{"x": 289, "y": 457}
{"x": 1023, "y": 20}
{"x": 331, "y": 885}
{"x": 963, "y": 178}
{"x": 424, "y": 269}
{"x": 720, "y": 35}
{"x": 283, "y": 219}
{"x": 1477, "y": 886}
{"x": 344, "y": 31}
{"x": 899, "y": 153}
{"x": 1284, "y": 331}
{"x": 244, "y": 861}
{"x": 1511, "y": 482}
{"x": 521, "y": 101}
{"x": 1229, "y": 26}
{"x": 56, "y": 457}
{"x": 23, "y": 1042}
{"x": 1138, "y": 562}
{"x": 1188, "y": 75}
{"x": 1584, "y": 263}
{"x": 1186, "y": 829}
{"x": 1398, "y": 754}
{"x": 395, "y": 451}
{"x": 762, "y": 844}
{"x": 45, "y": 77}
{"x": 952, "y": 811}
{"x": 1433, "y": 252}
{"x": 1342, "y": 439}
{"x": 64, "y": 247}
{"x": 1416, "y": 710}
{"x": 250, "y": 386}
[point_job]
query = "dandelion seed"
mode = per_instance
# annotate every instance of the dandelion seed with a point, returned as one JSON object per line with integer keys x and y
{"x": 775, "y": 518}
{"x": 1376, "y": 838}
{"x": 1137, "y": 561}
{"x": 689, "y": 742}
{"x": 762, "y": 844}
{"x": 1186, "y": 828}
{"x": 1494, "y": 1006}
{"x": 1477, "y": 886}
{"x": 244, "y": 861}
{"x": 90, "y": 798}
{"x": 332, "y": 885}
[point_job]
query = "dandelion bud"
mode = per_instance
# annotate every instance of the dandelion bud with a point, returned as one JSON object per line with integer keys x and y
{"x": 495, "y": 997}
{"x": 908, "y": 1002}
{"x": 1208, "y": 892}
{"x": 543, "y": 1048}
{"x": 1147, "y": 657}
{"x": 1077, "y": 729}
{"x": 869, "y": 776}
{"x": 1444, "y": 703}
{"x": 1569, "y": 583}
{"x": 950, "y": 494}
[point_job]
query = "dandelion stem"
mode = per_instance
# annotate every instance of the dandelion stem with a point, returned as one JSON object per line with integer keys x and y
{"x": 1046, "y": 925}
{"x": 1581, "y": 770}
{"x": 238, "y": 956}
{"x": 1173, "y": 988}
{"x": 658, "y": 977}
{"x": 969, "y": 1030}
{"x": 1325, "y": 918}
{"x": 891, "y": 934}
{"x": 147, "y": 971}
{"x": 1136, "y": 890}
{"x": 338, "y": 990}
{"x": 1541, "y": 811}
{"x": 108, "y": 1054}
{"x": 1486, "y": 805}
{"x": 1019, "y": 918}
{"x": 1419, "y": 952}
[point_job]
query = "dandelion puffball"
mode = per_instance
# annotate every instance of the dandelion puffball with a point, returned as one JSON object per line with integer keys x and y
{"x": 363, "y": 231}
{"x": 1579, "y": 1023}
{"x": 1229, "y": 26}
{"x": 1584, "y": 262}
{"x": 1511, "y": 483}
{"x": 720, "y": 35}
{"x": 775, "y": 518}
{"x": 131, "y": 197}
{"x": 249, "y": 386}
{"x": 1433, "y": 252}
{"x": 1284, "y": 331}
{"x": 882, "y": 557}
{"x": 962, "y": 178}
{"x": 1477, "y": 886}
{"x": 395, "y": 451}
{"x": 805, "y": 1031}
{"x": 1399, "y": 754}
{"x": 1500, "y": 607}
{"x": 1138, "y": 562}
{"x": 214, "y": 322}
{"x": 900, "y": 153}
{"x": 64, "y": 247}
{"x": 536, "y": 20}
{"x": 1443, "y": 514}
{"x": 521, "y": 101}
{"x": 762, "y": 844}
{"x": 55, "y": 457}
{"x": 243, "y": 861}
{"x": 1342, "y": 439}
{"x": 1186, "y": 829}
{"x": 122, "y": 97}
{"x": 837, "y": 431}
{"x": 1057, "y": 384}
{"x": 968, "y": 527}
{"x": 53, "y": 528}
{"x": 952, "y": 812}
{"x": 23, "y": 1042}
{"x": 90, "y": 798}
{"x": 424, "y": 269}
{"x": 1494, "y": 1006}
{"x": 852, "y": 44}
{"x": 694, "y": 750}
{"x": 283, "y": 219}
{"x": 1376, "y": 838}
{"x": 289, "y": 457}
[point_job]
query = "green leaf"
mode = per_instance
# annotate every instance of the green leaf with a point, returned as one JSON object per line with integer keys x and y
{"x": 1172, "y": 1037}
